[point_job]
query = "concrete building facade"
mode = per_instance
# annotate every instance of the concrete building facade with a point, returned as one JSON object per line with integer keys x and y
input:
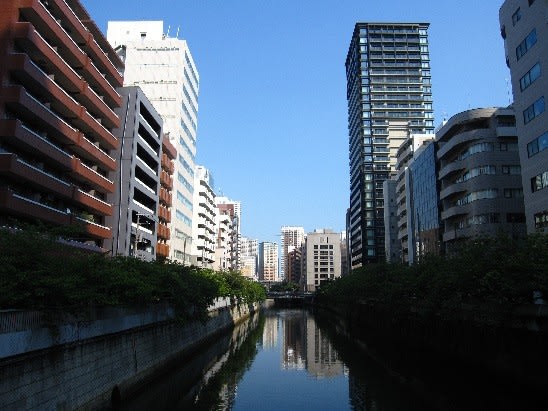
{"x": 204, "y": 229}
{"x": 231, "y": 209}
{"x": 388, "y": 82}
{"x": 525, "y": 33}
{"x": 164, "y": 69}
{"x": 135, "y": 222}
{"x": 58, "y": 110}
{"x": 321, "y": 258}
{"x": 479, "y": 176}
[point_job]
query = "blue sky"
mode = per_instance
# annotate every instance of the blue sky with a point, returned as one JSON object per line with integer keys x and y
{"x": 272, "y": 124}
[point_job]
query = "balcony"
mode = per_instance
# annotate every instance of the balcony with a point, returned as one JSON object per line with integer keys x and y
{"x": 15, "y": 204}
{"x": 47, "y": 26}
{"x": 81, "y": 172}
{"x": 168, "y": 148}
{"x": 164, "y": 214}
{"x": 166, "y": 180}
{"x": 14, "y": 132}
{"x": 162, "y": 250}
{"x": 94, "y": 230}
{"x": 165, "y": 197}
{"x": 90, "y": 202}
{"x": 163, "y": 232}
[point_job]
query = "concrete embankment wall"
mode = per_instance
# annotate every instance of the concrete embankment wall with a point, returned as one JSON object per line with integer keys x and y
{"x": 103, "y": 367}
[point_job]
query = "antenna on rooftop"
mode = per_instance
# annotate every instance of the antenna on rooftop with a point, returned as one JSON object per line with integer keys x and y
{"x": 168, "y": 28}
{"x": 177, "y": 35}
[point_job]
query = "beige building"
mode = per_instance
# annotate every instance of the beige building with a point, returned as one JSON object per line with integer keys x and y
{"x": 525, "y": 33}
{"x": 479, "y": 175}
{"x": 321, "y": 258}
{"x": 268, "y": 262}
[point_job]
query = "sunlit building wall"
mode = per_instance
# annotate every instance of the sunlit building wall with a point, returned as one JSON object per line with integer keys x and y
{"x": 525, "y": 33}
{"x": 164, "y": 69}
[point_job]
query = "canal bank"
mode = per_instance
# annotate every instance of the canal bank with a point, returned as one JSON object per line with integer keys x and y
{"x": 494, "y": 367}
{"x": 99, "y": 364}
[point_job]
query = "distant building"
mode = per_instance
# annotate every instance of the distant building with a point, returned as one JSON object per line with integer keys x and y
{"x": 249, "y": 249}
{"x": 294, "y": 265}
{"x": 479, "y": 176}
{"x": 292, "y": 238}
{"x": 525, "y": 33}
{"x": 268, "y": 262}
{"x": 231, "y": 209}
{"x": 135, "y": 221}
{"x": 321, "y": 258}
{"x": 389, "y": 94}
{"x": 223, "y": 222}
{"x": 164, "y": 69}
{"x": 204, "y": 229}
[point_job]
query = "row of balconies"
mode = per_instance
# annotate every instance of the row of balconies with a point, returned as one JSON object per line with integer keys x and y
{"x": 19, "y": 205}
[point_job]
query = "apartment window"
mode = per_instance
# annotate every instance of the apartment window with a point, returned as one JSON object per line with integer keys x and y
{"x": 508, "y": 146}
{"x": 533, "y": 110}
{"x": 516, "y": 16}
{"x": 539, "y": 182}
{"x": 529, "y": 77}
{"x": 541, "y": 219}
{"x": 514, "y": 170}
{"x": 513, "y": 193}
{"x": 526, "y": 44}
{"x": 537, "y": 145}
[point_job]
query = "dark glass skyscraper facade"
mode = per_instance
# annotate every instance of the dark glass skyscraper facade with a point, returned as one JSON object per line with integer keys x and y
{"x": 388, "y": 80}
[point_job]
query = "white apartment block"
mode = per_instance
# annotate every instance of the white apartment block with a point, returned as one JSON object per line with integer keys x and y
{"x": 163, "y": 68}
{"x": 204, "y": 229}
{"x": 232, "y": 209}
{"x": 292, "y": 238}
{"x": 249, "y": 249}
{"x": 223, "y": 223}
{"x": 321, "y": 258}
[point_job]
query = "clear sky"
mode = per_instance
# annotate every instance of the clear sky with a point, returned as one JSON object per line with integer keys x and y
{"x": 272, "y": 121}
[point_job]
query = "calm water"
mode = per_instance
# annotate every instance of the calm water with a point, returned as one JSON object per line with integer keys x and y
{"x": 280, "y": 360}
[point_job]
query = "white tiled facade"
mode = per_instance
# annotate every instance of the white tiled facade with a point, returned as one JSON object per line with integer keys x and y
{"x": 164, "y": 69}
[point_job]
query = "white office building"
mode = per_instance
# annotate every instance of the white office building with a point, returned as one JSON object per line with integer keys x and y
{"x": 162, "y": 66}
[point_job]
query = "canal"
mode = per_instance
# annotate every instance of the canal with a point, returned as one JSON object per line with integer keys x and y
{"x": 293, "y": 359}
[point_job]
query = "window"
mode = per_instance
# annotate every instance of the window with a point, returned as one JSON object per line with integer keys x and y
{"x": 533, "y": 110}
{"x": 529, "y": 77}
{"x": 537, "y": 145}
{"x": 539, "y": 182}
{"x": 516, "y": 16}
{"x": 541, "y": 219}
{"x": 513, "y": 193}
{"x": 514, "y": 170}
{"x": 526, "y": 44}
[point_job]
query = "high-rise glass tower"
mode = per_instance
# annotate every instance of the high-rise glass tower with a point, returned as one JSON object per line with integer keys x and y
{"x": 388, "y": 83}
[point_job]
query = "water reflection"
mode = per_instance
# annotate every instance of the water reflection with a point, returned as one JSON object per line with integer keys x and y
{"x": 280, "y": 360}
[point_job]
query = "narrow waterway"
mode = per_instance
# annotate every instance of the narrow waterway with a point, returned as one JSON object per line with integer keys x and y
{"x": 279, "y": 360}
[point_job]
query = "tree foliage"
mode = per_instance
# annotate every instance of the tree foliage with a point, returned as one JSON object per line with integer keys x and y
{"x": 38, "y": 272}
{"x": 494, "y": 274}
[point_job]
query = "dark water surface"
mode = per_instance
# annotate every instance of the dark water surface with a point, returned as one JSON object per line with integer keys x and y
{"x": 279, "y": 360}
{"x": 292, "y": 359}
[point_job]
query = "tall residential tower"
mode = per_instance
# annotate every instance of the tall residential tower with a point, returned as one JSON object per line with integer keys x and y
{"x": 388, "y": 82}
